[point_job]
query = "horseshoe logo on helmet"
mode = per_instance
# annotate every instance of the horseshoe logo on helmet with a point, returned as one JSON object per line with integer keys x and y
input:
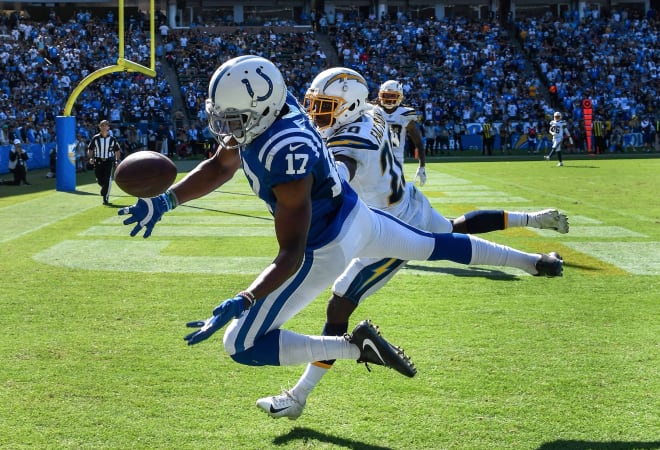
{"x": 248, "y": 86}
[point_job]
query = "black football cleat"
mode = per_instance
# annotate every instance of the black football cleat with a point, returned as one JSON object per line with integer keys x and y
{"x": 550, "y": 265}
{"x": 374, "y": 349}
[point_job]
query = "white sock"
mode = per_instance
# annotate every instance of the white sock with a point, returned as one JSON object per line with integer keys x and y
{"x": 308, "y": 382}
{"x": 300, "y": 348}
{"x": 516, "y": 219}
{"x": 491, "y": 254}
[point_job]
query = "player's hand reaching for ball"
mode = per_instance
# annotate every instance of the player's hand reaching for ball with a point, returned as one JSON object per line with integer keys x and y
{"x": 147, "y": 212}
{"x": 222, "y": 314}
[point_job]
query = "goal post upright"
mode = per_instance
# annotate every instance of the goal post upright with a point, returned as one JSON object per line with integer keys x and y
{"x": 65, "y": 125}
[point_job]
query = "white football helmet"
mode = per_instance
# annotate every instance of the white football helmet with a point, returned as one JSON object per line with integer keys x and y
{"x": 246, "y": 95}
{"x": 390, "y": 94}
{"x": 557, "y": 115}
{"x": 336, "y": 97}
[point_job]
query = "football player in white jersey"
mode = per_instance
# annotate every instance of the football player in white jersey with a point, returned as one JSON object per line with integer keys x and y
{"x": 559, "y": 131}
{"x": 357, "y": 134}
{"x": 320, "y": 225}
{"x": 403, "y": 122}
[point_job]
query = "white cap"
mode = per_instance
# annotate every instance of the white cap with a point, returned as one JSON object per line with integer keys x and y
{"x": 17, "y": 141}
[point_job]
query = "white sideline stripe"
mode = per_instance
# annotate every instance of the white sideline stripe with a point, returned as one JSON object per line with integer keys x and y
{"x": 196, "y": 219}
{"x": 183, "y": 231}
{"x": 638, "y": 258}
{"x": 26, "y": 217}
{"x": 461, "y": 188}
{"x": 139, "y": 255}
{"x": 583, "y": 220}
{"x": 480, "y": 193}
{"x": 442, "y": 180}
{"x": 597, "y": 232}
{"x": 220, "y": 204}
{"x": 522, "y": 208}
{"x": 144, "y": 257}
{"x": 502, "y": 198}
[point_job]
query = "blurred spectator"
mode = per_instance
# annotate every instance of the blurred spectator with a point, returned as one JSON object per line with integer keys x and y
{"x": 52, "y": 163}
{"x": 488, "y": 132}
{"x": 464, "y": 69}
{"x": 17, "y": 164}
{"x": 81, "y": 154}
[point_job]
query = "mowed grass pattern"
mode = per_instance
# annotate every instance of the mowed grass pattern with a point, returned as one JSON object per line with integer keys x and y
{"x": 93, "y": 355}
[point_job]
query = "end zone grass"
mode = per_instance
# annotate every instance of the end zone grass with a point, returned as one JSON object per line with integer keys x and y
{"x": 94, "y": 356}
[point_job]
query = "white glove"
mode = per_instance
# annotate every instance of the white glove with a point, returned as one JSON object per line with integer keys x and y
{"x": 421, "y": 175}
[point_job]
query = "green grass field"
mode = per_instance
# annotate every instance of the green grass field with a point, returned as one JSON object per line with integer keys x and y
{"x": 93, "y": 355}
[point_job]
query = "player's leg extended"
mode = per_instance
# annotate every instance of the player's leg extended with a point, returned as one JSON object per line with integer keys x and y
{"x": 255, "y": 338}
{"x": 393, "y": 238}
{"x": 485, "y": 221}
{"x": 363, "y": 277}
{"x": 421, "y": 214}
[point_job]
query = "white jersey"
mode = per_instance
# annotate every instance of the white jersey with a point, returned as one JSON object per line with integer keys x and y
{"x": 378, "y": 176}
{"x": 398, "y": 121}
{"x": 378, "y": 180}
{"x": 558, "y": 130}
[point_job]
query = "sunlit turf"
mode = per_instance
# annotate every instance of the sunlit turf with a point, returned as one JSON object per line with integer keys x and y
{"x": 94, "y": 358}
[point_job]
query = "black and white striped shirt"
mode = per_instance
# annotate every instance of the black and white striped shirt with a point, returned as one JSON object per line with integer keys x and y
{"x": 104, "y": 147}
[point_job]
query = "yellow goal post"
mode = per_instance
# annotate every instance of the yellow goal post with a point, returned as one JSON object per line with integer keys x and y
{"x": 65, "y": 125}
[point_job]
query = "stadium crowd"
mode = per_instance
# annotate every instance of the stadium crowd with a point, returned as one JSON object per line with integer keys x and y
{"x": 455, "y": 72}
{"x": 481, "y": 71}
{"x": 42, "y": 62}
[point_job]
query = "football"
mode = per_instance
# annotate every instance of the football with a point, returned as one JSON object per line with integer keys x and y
{"x": 145, "y": 174}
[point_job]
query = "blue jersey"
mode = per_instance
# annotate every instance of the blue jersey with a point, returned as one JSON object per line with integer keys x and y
{"x": 292, "y": 149}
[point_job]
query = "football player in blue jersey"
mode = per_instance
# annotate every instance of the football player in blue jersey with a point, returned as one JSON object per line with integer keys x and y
{"x": 357, "y": 134}
{"x": 320, "y": 225}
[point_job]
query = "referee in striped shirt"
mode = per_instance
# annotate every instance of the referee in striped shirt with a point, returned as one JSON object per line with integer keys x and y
{"x": 104, "y": 152}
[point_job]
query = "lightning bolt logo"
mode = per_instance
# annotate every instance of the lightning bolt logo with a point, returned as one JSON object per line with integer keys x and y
{"x": 376, "y": 273}
{"x": 71, "y": 153}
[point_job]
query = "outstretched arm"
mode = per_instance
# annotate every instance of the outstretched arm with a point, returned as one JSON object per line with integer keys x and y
{"x": 293, "y": 213}
{"x": 208, "y": 175}
{"x": 292, "y": 217}
{"x": 416, "y": 136}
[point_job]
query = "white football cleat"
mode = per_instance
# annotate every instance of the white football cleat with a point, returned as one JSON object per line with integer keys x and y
{"x": 559, "y": 164}
{"x": 549, "y": 219}
{"x": 283, "y": 405}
